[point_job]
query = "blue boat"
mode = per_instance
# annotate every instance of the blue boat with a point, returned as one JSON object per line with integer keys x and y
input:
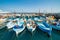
{"x": 19, "y": 27}
{"x": 44, "y": 27}
{"x": 56, "y": 26}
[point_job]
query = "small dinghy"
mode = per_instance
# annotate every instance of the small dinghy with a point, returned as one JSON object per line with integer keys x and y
{"x": 31, "y": 25}
{"x": 19, "y": 27}
{"x": 36, "y": 19}
{"x": 44, "y": 27}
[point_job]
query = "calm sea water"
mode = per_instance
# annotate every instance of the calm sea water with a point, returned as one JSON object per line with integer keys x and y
{"x": 6, "y": 34}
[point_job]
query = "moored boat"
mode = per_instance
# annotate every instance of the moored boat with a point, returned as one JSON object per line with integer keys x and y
{"x": 56, "y": 25}
{"x": 11, "y": 24}
{"x": 31, "y": 25}
{"x": 45, "y": 27}
{"x": 19, "y": 27}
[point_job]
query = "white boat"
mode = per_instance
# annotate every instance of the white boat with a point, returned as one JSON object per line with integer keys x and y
{"x": 11, "y": 24}
{"x": 31, "y": 27}
{"x": 19, "y": 27}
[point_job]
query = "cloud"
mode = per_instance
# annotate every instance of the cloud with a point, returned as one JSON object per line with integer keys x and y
{"x": 1, "y": 11}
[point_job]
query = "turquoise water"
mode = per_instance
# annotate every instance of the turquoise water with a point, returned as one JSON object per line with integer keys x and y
{"x": 6, "y": 34}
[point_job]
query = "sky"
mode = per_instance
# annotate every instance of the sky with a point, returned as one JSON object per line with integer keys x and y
{"x": 50, "y": 6}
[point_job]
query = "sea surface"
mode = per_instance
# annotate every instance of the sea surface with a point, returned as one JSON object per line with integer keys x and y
{"x": 6, "y": 34}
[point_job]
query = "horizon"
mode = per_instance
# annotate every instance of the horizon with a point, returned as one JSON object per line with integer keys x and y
{"x": 45, "y": 6}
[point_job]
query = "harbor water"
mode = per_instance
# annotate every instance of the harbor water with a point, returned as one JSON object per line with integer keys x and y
{"x": 6, "y": 34}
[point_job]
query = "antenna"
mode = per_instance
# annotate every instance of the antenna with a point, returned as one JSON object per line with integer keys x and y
{"x": 39, "y": 10}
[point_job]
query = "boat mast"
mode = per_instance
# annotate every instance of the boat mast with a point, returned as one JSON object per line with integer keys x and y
{"x": 39, "y": 12}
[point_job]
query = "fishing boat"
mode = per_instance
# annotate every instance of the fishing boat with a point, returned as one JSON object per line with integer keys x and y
{"x": 44, "y": 27}
{"x": 39, "y": 19}
{"x": 19, "y": 27}
{"x": 31, "y": 25}
{"x": 56, "y": 25}
{"x": 11, "y": 24}
{"x": 9, "y": 19}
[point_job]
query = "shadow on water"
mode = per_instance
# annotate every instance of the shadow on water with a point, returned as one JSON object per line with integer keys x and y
{"x": 36, "y": 35}
{"x": 40, "y": 35}
{"x": 25, "y": 35}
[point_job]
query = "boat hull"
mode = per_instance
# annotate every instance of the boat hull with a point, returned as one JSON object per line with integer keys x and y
{"x": 56, "y": 27}
{"x": 44, "y": 28}
{"x": 18, "y": 30}
{"x": 31, "y": 29}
